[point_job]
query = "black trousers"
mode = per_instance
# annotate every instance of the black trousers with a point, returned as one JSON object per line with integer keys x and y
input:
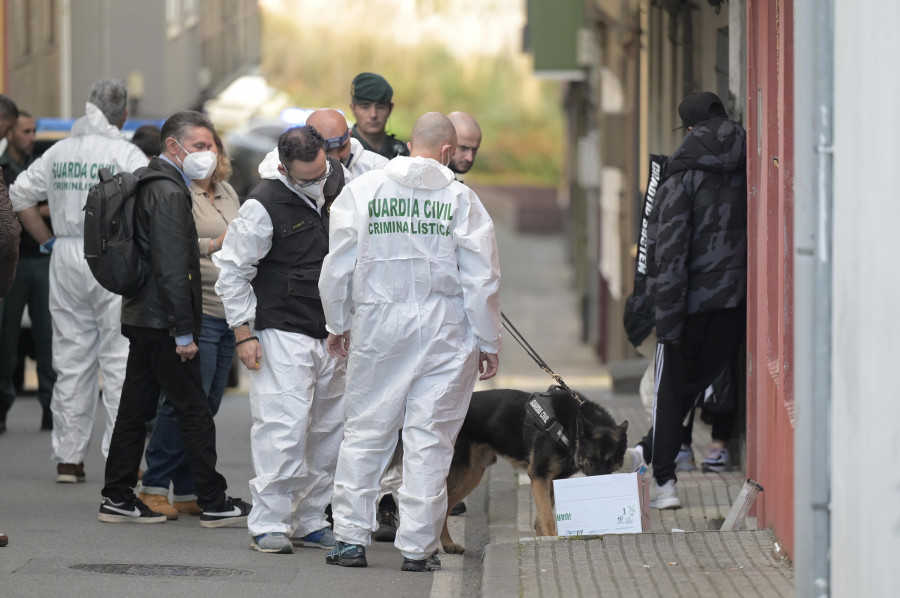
{"x": 683, "y": 371}
{"x": 152, "y": 366}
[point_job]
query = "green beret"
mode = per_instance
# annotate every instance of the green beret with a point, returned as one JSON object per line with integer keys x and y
{"x": 369, "y": 87}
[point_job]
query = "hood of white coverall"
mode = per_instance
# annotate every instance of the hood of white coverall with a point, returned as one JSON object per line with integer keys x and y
{"x": 268, "y": 169}
{"x": 418, "y": 172}
{"x": 94, "y": 123}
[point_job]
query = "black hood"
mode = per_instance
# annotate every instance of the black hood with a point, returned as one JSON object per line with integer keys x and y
{"x": 717, "y": 145}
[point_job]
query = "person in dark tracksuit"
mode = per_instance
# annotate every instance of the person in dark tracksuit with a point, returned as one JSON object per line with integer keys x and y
{"x": 697, "y": 273}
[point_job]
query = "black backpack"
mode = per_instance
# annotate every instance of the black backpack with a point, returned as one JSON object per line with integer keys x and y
{"x": 109, "y": 226}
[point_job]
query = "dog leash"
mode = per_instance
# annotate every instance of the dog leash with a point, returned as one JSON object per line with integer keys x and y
{"x": 507, "y": 323}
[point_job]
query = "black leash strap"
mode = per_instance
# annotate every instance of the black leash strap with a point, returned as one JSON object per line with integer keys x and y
{"x": 537, "y": 358}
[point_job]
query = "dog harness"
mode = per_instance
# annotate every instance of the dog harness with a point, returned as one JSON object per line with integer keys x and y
{"x": 539, "y": 415}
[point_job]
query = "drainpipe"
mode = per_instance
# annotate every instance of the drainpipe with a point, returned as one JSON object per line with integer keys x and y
{"x": 813, "y": 116}
{"x": 65, "y": 59}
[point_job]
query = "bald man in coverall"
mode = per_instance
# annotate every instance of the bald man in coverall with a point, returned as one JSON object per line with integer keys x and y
{"x": 412, "y": 279}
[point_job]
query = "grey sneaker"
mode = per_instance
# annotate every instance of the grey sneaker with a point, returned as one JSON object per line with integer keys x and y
{"x": 324, "y": 538}
{"x": 276, "y": 543}
{"x": 347, "y": 555}
{"x": 432, "y": 563}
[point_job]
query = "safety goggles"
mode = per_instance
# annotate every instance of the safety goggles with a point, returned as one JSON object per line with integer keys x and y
{"x": 307, "y": 183}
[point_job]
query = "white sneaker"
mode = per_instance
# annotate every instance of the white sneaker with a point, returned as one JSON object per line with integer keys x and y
{"x": 666, "y": 497}
{"x": 636, "y": 455}
{"x": 684, "y": 461}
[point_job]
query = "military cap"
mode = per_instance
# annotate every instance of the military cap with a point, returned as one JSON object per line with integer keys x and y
{"x": 369, "y": 87}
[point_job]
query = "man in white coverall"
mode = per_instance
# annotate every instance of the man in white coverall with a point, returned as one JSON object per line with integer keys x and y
{"x": 417, "y": 251}
{"x": 341, "y": 146}
{"x": 268, "y": 279}
{"x": 85, "y": 316}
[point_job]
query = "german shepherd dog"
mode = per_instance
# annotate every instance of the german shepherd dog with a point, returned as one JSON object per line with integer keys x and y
{"x": 495, "y": 425}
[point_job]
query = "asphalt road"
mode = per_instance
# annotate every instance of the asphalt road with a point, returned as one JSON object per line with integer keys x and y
{"x": 58, "y": 547}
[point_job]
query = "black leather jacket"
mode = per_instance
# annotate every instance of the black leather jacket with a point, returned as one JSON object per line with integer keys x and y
{"x": 167, "y": 237}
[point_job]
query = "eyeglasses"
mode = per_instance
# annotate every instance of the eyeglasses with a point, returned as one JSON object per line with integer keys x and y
{"x": 306, "y": 183}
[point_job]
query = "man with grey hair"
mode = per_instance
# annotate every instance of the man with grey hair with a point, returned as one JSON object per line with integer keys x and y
{"x": 85, "y": 316}
{"x": 162, "y": 324}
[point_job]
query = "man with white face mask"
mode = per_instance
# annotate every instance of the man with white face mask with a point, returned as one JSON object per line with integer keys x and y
{"x": 269, "y": 269}
{"x": 85, "y": 316}
{"x": 162, "y": 323}
{"x": 411, "y": 288}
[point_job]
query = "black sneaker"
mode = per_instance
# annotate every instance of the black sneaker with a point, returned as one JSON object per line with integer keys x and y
{"x": 233, "y": 513}
{"x": 347, "y": 555}
{"x": 432, "y": 563}
{"x": 130, "y": 511}
{"x": 387, "y": 520}
{"x": 459, "y": 509}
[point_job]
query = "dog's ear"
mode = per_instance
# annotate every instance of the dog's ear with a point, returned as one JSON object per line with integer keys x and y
{"x": 624, "y": 425}
{"x": 583, "y": 425}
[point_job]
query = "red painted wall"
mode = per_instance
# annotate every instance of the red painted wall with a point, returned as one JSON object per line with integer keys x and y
{"x": 770, "y": 393}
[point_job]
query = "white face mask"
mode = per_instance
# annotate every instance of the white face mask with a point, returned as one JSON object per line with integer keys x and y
{"x": 314, "y": 192}
{"x": 198, "y": 165}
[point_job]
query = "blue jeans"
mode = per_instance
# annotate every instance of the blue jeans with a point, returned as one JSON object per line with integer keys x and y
{"x": 165, "y": 452}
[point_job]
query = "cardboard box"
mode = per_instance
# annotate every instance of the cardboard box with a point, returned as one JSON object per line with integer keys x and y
{"x": 604, "y": 504}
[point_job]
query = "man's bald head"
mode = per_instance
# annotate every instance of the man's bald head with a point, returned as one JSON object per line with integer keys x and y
{"x": 468, "y": 135}
{"x": 433, "y": 136}
{"x": 332, "y": 125}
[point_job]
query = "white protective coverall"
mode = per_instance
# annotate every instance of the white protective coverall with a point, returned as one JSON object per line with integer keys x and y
{"x": 362, "y": 160}
{"x": 416, "y": 250}
{"x": 86, "y": 317}
{"x": 296, "y": 397}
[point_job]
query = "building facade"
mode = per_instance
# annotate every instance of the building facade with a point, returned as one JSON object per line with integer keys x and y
{"x": 174, "y": 54}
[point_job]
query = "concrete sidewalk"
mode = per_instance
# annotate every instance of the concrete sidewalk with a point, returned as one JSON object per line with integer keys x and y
{"x": 537, "y": 295}
{"x": 692, "y": 563}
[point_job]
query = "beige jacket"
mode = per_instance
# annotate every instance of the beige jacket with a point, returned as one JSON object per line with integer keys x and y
{"x": 212, "y": 218}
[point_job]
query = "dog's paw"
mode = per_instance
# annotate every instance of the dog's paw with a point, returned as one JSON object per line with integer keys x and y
{"x": 454, "y": 548}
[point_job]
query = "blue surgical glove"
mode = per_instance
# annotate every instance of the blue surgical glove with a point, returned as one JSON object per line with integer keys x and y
{"x": 47, "y": 246}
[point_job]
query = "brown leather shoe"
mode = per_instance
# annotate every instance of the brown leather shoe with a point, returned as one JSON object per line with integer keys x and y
{"x": 188, "y": 507}
{"x": 4, "y": 540}
{"x": 70, "y": 473}
{"x": 160, "y": 504}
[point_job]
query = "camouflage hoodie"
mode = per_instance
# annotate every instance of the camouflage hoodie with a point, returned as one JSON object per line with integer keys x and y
{"x": 698, "y": 254}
